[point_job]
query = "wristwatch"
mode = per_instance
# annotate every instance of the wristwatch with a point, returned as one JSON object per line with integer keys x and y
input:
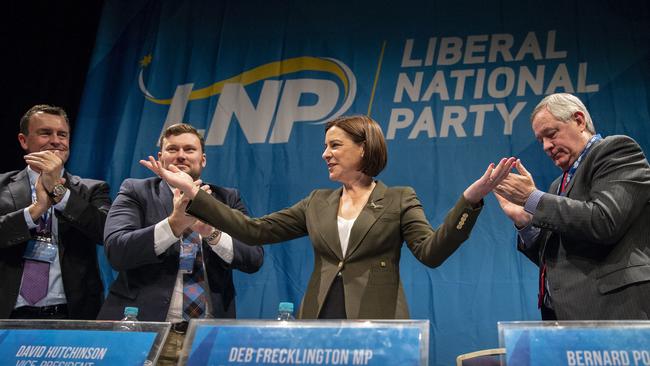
{"x": 57, "y": 192}
{"x": 210, "y": 238}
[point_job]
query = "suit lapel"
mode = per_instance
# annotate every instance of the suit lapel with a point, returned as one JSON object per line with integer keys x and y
{"x": 165, "y": 197}
{"x": 567, "y": 189}
{"x": 584, "y": 161}
{"x": 554, "y": 189}
{"x": 367, "y": 218}
{"x": 329, "y": 232}
{"x": 21, "y": 190}
{"x": 72, "y": 183}
{"x": 555, "y": 186}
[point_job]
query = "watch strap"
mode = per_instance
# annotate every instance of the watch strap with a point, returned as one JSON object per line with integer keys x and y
{"x": 210, "y": 238}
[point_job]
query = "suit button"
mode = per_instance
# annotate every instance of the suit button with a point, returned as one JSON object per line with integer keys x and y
{"x": 382, "y": 264}
{"x": 340, "y": 265}
{"x": 465, "y": 216}
{"x": 459, "y": 226}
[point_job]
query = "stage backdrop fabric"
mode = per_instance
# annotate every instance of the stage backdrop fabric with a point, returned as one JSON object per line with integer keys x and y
{"x": 452, "y": 83}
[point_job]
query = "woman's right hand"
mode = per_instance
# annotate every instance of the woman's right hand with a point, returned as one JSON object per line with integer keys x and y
{"x": 173, "y": 176}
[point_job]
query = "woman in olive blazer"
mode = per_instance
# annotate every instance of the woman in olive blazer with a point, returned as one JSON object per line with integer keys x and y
{"x": 357, "y": 230}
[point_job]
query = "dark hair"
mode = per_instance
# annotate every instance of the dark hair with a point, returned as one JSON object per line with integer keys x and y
{"x": 179, "y": 129}
{"x": 364, "y": 130}
{"x": 44, "y": 108}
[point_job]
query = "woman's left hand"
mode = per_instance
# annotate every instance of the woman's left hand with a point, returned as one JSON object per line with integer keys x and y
{"x": 174, "y": 176}
{"x": 490, "y": 179}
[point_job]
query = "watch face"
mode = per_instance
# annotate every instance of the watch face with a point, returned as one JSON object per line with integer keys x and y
{"x": 59, "y": 190}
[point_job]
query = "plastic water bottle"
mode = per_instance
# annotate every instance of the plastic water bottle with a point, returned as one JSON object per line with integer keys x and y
{"x": 130, "y": 321}
{"x": 285, "y": 311}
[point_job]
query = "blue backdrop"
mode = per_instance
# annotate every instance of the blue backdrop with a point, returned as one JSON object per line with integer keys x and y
{"x": 452, "y": 84}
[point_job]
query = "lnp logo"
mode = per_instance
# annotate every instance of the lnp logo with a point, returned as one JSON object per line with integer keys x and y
{"x": 279, "y": 104}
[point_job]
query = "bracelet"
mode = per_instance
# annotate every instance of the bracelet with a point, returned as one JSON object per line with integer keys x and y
{"x": 210, "y": 238}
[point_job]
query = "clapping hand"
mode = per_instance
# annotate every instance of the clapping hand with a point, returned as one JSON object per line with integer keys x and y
{"x": 49, "y": 164}
{"x": 490, "y": 179}
{"x": 512, "y": 194}
{"x": 173, "y": 176}
{"x": 516, "y": 188}
{"x": 199, "y": 226}
{"x": 179, "y": 221}
{"x": 514, "y": 212}
{"x": 42, "y": 202}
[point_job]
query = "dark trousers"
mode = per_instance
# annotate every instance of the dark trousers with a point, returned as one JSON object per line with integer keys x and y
{"x": 334, "y": 306}
{"x": 548, "y": 313}
{"x": 42, "y": 312}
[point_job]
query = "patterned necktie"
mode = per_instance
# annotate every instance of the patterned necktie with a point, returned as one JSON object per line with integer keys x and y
{"x": 36, "y": 274}
{"x": 194, "y": 284}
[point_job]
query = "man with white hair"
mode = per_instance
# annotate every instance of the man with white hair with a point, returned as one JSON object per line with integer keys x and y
{"x": 590, "y": 233}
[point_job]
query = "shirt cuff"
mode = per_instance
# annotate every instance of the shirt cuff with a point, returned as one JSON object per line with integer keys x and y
{"x": 224, "y": 248}
{"x": 528, "y": 234}
{"x": 163, "y": 237}
{"x": 28, "y": 219}
{"x": 533, "y": 200}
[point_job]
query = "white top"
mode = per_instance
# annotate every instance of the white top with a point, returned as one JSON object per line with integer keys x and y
{"x": 345, "y": 226}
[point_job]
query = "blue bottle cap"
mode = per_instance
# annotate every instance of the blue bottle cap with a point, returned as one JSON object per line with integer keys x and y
{"x": 130, "y": 311}
{"x": 286, "y": 306}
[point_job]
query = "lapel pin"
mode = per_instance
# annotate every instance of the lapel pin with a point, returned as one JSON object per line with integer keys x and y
{"x": 373, "y": 205}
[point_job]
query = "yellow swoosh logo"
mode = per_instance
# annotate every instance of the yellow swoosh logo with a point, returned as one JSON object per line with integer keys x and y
{"x": 270, "y": 70}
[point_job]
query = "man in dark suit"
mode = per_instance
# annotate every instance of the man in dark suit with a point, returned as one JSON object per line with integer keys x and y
{"x": 50, "y": 223}
{"x": 146, "y": 232}
{"x": 590, "y": 234}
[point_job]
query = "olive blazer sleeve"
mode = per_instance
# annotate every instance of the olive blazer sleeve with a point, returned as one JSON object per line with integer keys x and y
{"x": 370, "y": 266}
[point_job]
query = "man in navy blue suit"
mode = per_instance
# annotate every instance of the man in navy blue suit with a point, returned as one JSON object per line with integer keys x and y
{"x": 148, "y": 239}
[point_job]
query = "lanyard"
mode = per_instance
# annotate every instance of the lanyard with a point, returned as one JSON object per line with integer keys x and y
{"x": 45, "y": 222}
{"x": 576, "y": 164}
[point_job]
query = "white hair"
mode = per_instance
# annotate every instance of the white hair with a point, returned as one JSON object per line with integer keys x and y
{"x": 563, "y": 106}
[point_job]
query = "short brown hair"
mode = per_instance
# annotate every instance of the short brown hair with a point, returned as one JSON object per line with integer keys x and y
{"x": 364, "y": 130}
{"x": 44, "y": 108}
{"x": 179, "y": 129}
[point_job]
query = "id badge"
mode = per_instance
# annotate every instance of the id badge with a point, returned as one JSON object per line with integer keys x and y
{"x": 41, "y": 249}
{"x": 187, "y": 257}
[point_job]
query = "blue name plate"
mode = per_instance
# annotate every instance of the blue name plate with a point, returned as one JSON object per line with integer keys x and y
{"x": 577, "y": 344}
{"x": 296, "y": 343}
{"x": 48, "y": 347}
